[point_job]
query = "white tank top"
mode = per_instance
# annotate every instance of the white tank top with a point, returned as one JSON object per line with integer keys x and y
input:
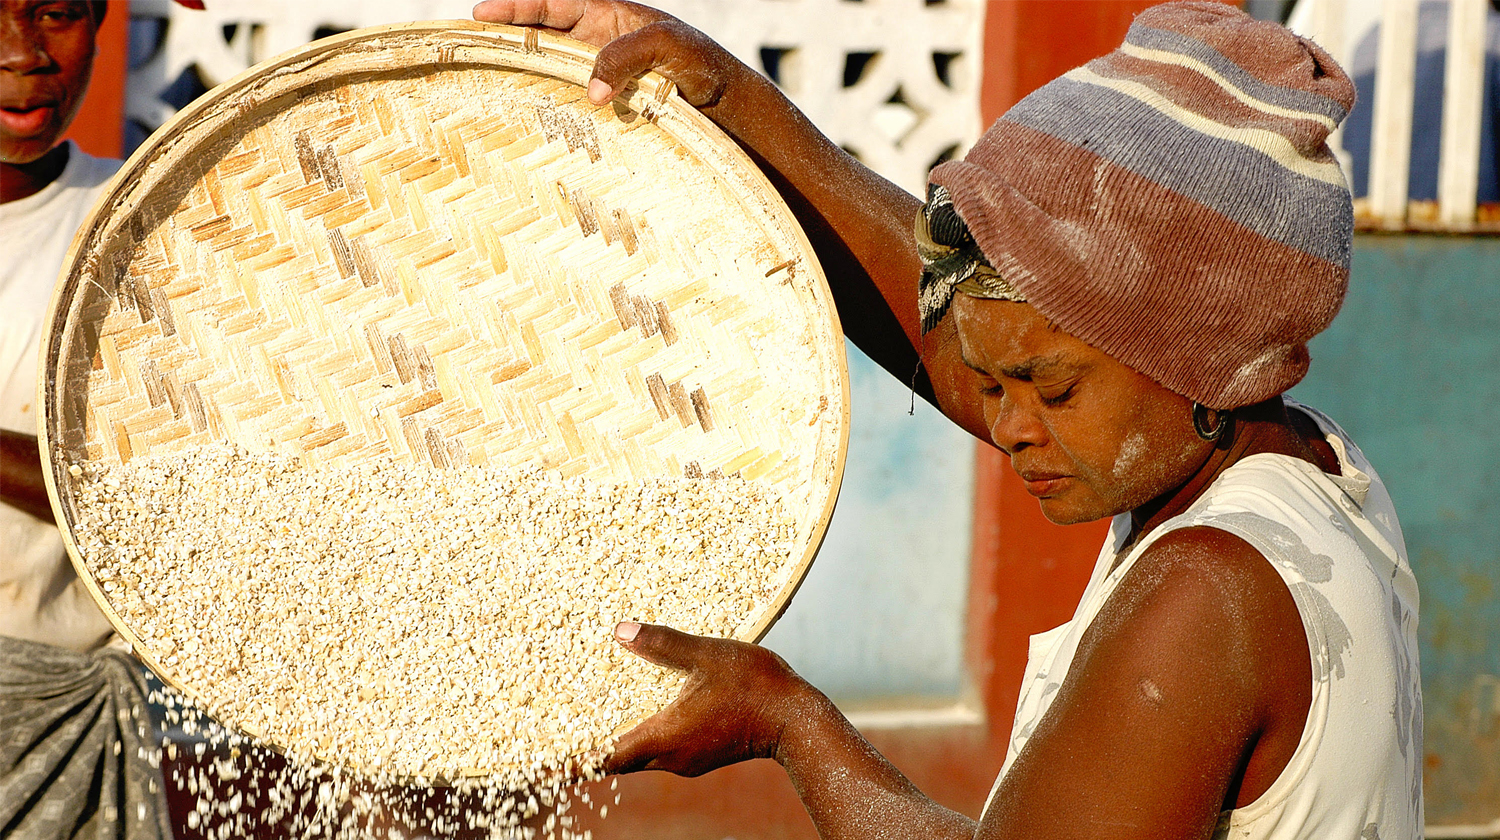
{"x": 1335, "y": 540}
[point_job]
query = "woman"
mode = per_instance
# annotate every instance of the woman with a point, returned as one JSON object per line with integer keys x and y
{"x": 1117, "y": 285}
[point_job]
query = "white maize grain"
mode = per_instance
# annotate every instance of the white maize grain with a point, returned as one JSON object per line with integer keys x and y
{"x": 422, "y": 623}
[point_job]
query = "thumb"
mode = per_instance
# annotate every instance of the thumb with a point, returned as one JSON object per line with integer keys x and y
{"x": 662, "y": 645}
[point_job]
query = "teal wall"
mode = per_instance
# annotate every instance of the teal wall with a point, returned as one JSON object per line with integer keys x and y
{"x": 879, "y": 619}
{"x": 1411, "y": 369}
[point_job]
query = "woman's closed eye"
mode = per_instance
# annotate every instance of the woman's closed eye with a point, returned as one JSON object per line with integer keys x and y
{"x": 1055, "y": 395}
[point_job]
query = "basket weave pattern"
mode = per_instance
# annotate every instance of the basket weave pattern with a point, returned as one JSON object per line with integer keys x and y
{"x": 458, "y": 266}
{"x": 421, "y": 242}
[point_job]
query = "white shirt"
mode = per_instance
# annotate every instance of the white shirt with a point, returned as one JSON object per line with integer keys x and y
{"x": 1335, "y": 541}
{"x": 41, "y": 599}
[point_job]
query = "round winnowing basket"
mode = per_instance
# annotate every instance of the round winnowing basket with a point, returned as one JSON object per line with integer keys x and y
{"x": 422, "y": 243}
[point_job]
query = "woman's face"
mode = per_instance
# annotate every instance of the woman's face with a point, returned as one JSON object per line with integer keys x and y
{"x": 1089, "y": 436}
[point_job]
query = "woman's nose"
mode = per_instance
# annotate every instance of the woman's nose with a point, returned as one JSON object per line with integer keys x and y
{"x": 1012, "y": 428}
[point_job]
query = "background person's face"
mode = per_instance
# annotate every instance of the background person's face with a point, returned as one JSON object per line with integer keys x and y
{"x": 46, "y": 56}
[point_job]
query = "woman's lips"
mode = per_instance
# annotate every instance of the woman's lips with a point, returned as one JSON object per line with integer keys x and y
{"x": 1041, "y": 485}
{"x": 25, "y": 122}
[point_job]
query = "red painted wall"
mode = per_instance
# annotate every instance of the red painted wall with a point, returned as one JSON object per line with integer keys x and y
{"x": 1027, "y": 43}
{"x": 99, "y": 128}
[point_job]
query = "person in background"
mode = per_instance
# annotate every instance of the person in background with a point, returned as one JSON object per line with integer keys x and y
{"x": 1115, "y": 287}
{"x": 74, "y": 726}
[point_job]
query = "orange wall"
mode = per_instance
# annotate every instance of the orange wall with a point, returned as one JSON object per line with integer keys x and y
{"x": 1027, "y": 43}
{"x": 99, "y": 128}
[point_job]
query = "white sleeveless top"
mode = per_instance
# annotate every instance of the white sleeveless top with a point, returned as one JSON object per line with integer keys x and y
{"x": 1335, "y": 541}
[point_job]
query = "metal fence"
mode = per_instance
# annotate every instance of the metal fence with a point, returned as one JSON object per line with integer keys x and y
{"x": 1387, "y": 203}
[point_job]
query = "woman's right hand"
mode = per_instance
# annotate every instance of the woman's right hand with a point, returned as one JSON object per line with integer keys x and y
{"x": 632, "y": 39}
{"x": 741, "y": 702}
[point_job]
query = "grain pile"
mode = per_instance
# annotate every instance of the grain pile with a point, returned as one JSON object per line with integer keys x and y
{"x": 418, "y": 623}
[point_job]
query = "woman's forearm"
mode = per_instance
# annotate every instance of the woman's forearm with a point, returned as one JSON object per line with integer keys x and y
{"x": 851, "y": 791}
{"x": 21, "y": 482}
{"x": 740, "y": 702}
{"x": 859, "y": 223}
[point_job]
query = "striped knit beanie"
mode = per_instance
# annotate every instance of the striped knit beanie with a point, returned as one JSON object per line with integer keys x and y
{"x": 1175, "y": 203}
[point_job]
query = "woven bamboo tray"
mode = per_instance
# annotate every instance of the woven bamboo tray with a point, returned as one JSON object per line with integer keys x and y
{"x": 421, "y": 242}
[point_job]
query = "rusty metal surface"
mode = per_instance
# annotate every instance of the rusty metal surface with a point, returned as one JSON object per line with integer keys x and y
{"x": 1422, "y": 217}
{"x": 1411, "y": 368}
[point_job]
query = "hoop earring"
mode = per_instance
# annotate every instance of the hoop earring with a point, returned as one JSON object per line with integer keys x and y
{"x": 1200, "y": 423}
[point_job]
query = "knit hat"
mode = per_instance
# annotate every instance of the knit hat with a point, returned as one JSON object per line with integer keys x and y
{"x": 1175, "y": 203}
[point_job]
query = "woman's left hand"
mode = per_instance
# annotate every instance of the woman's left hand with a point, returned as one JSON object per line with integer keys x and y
{"x": 736, "y": 705}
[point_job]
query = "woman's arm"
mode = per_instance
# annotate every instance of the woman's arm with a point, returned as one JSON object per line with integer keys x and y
{"x": 859, "y": 223}
{"x": 740, "y": 702}
{"x": 1187, "y": 697}
{"x": 21, "y": 483}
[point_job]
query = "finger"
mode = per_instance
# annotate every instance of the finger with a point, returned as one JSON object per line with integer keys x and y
{"x": 668, "y": 46}
{"x": 663, "y": 645}
{"x": 554, "y": 14}
{"x": 635, "y": 750}
{"x": 619, "y": 61}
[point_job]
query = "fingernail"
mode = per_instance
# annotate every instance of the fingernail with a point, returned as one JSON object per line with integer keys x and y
{"x": 626, "y": 631}
{"x": 600, "y": 91}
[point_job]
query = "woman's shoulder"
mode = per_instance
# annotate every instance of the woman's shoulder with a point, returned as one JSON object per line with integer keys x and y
{"x": 1202, "y": 567}
{"x": 1300, "y": 516}
{"x": 1219, "y": 639}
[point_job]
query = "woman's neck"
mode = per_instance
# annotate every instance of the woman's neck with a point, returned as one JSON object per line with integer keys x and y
{"x": 1265, "y": 427}
{"x": 23, "y": 180}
